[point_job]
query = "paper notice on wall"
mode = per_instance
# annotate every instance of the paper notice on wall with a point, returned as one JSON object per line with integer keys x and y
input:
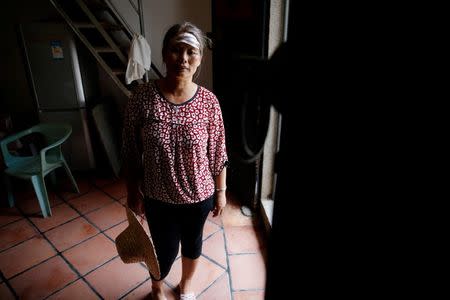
{"x": 57, "y": 51}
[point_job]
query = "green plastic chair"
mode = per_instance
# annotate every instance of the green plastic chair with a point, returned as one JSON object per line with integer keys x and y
{"x": 36, "y": 167}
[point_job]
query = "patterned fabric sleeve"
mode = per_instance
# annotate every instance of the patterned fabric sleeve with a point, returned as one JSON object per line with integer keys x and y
{"x": 217, "y": 153}
{"x": 131, "y": 153}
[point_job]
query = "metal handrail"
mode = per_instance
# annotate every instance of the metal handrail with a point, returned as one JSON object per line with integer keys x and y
{"x": 134, "y": 6}
{"x": 130, "y": 31}
{"x": 127, "y": 26}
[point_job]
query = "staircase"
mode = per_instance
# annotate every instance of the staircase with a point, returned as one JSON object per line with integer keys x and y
{"x": 105, "y": 33}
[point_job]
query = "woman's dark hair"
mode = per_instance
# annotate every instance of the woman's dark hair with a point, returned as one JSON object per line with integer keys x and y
{"x": 182, "y": 28}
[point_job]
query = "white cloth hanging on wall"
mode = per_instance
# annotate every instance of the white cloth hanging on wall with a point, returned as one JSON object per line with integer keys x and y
{"x": 139, "y": 59}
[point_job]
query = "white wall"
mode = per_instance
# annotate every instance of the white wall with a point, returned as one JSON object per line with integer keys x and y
{"x": 276, "y": 24}
{"x": 161, "y": 15}
{"x": 276, "y": 30}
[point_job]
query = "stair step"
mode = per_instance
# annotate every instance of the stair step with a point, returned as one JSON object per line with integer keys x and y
{"x": 98, "y": 40}
{"x": 103, "y": 49}
{"x": 105, "y": 25}
{"x": 118, "y": 71}
{"x": 84, "y": 25}
{"x": 97, "y": 5}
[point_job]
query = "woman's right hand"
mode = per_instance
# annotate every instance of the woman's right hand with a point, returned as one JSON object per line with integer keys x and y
{"x": 135, "y": 202}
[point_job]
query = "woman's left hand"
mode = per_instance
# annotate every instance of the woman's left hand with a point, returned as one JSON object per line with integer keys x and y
{"x": 221, "y": 202}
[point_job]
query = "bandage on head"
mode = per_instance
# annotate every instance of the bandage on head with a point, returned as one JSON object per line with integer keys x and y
{"x": 187, "y": 38}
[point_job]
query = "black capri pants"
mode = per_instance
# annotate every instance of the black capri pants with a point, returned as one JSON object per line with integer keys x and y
{"x": 172, "y": 224}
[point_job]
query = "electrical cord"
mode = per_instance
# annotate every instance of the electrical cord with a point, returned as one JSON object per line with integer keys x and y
{"x": 255, "y": 118}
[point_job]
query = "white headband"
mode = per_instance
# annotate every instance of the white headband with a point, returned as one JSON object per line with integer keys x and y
{"x": 188, "y": 38}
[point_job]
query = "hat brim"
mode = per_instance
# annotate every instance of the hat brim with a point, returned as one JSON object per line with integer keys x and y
{"x": 135, "y": 245}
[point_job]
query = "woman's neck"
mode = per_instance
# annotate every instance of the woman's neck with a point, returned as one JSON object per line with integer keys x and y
{"x": 177, "y": 91}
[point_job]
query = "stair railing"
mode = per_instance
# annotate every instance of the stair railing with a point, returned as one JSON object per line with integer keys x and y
{"x": 112, "y": 46}
{"x": 140, "y": 12}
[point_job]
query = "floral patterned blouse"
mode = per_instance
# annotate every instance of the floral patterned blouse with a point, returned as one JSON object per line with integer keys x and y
{"x": 180, "y": 148}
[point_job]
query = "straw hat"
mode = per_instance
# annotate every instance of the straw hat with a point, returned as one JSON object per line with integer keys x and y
{"x": 134, "y": 245}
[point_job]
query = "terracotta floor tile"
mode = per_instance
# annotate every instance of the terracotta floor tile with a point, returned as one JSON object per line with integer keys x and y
{"x": 31, "y": 206}
{"x": 206, "y": 274}
{"x": 115, "y": 279}
{"x": 77, "y": 290}
{"x": 5, "y": 293}
{"x": 215, "y": 220}
{"x": 143, "y": 292}
{"x": 220, "y": 290}
{"x": 116, "y": 190}
{"x": 123, "y": 200}
{"x": 66, "y": 191}
{"x": 54, "y": 199}
{"x": 116, "y": 230}
{"x": 214, "y": 248}
{"x": 99, "y": 181}
{"x": 25, "y": 255}
{"x": 60, "y": 214}
{"x": 79, "y": 229}
{"x": 108, "y": 216}
{"x": 91, "y": 253}
{"x": 9, "y": 215}
{"x": 23, "y": 191}
{"x": 248, "y": 271}
{"x": 232, "y": 215}
{"x": 92, "y": 200}
{"x": 15, "y": 233}
{"x": 243, "y": 239}
{"x": 43, "y": 279}
{"x": 209, "y": 229}
{"x": 249, "y": 295}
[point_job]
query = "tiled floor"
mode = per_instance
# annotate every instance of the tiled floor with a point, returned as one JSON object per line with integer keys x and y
{"x": 72, "y": 255}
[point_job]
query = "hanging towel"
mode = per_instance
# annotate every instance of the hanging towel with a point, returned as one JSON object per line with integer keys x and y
{"x": 139, "y": 59}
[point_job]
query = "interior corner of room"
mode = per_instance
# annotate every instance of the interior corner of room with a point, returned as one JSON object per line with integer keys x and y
{"x": 41, "y": 67}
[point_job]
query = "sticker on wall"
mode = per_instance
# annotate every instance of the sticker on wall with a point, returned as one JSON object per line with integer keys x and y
{"x": 57, "y": 51}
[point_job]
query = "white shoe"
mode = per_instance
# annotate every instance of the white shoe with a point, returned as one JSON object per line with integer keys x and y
{"x": 190, "y": 296}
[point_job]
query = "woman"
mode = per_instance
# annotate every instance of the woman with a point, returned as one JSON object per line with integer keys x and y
{"x": 174, "y": 148}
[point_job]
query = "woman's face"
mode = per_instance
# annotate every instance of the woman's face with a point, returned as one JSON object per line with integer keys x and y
{"x": 182, "y": 60}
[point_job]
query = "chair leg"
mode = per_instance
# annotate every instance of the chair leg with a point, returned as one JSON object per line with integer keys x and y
{"x": 9, "y": 189}
{"x": 41, "y": 193}
{"x": 74, "y": 183}
{"x": 53, "y": 177}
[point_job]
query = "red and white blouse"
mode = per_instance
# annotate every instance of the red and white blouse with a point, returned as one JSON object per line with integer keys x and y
{"x": 180, "y": 148}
